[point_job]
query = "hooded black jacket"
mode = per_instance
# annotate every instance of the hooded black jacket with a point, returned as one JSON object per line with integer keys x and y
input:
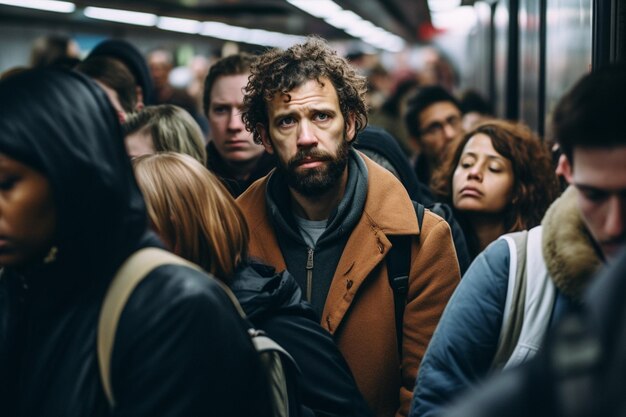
{"x": 274, "y": 303}
{"x": 180, "y": 348}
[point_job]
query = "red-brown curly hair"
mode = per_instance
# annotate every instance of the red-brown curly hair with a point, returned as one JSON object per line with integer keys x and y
{"x": 535, "y": 184}
{"x": 280, "y": 71}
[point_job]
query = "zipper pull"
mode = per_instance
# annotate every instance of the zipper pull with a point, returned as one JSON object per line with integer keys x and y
{"x": 309, "y": 275}
{"x": 309, "y": 260}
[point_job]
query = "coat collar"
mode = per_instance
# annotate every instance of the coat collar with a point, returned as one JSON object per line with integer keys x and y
{"x": 388, "y": 211}
{"x": 568, "y": 248}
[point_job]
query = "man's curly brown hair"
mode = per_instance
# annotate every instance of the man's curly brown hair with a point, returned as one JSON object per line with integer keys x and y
{"x": 280, "y": 71}
{"x": 535, "y": 184}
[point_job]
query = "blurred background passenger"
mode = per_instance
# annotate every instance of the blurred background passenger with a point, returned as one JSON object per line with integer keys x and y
{"x": 433, "y": 120}
{"x": 199, "y": 220}
{"x": 164, "y": 128}
{"x": 72, "y": 214}
{"x": 54, "y": 51}
{"x": 391, "y": 113}
{"x": 161, "y": 63}
{"x": 498, "y": 179}
{"x": 476, "y": 109}
{"x": 115, "y": 79}
{"x": 134, "y": 61}
{"x": 232, "y": 152}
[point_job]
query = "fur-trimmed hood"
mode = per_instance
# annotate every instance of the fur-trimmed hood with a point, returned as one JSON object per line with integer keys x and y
{"x": 568, "y": 248}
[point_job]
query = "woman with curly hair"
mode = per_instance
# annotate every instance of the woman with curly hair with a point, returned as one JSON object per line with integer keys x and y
{"x": 499, "y": 179}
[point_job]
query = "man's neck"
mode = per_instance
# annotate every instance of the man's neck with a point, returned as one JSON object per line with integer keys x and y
{"x": 487, "y": 228}
{"x": 241, "y": 170}
{"x": 319, "y": 207}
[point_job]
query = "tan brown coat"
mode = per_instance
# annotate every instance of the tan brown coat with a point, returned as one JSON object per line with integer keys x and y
{"x": 359, "y": 309}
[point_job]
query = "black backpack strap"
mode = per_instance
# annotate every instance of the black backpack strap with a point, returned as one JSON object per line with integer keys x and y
{"x": 419, "y": 211}
{"x": 398, "y": 267}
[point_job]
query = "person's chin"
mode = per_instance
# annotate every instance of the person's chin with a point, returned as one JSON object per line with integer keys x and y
{"x": 468, "y": 204}
{"x": 241, "y": 155}
{"x": 612, "y": 250}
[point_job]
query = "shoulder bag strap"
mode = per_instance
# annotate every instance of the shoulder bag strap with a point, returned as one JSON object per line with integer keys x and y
{"x": 398, "y": 268}
{"x": 130, "y": 274}
{"x": 513, "y": 315}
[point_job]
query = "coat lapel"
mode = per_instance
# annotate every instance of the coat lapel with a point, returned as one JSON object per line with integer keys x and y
{"x": 366, "y": 248}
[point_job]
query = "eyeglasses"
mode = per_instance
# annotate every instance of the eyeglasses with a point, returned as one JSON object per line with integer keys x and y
{"x": 437, "y": 127}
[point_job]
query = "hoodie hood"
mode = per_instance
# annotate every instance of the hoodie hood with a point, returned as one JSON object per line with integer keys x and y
{"x": 376, "y": 140}
{"x": 133, "y": 59}
{"x": 262, "y": 292}
{"x": 61, "y": 124}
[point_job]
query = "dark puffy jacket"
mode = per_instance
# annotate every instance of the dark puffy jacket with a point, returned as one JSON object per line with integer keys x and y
{"x": 274, "y": 303}
{"x": 180, "y": 348}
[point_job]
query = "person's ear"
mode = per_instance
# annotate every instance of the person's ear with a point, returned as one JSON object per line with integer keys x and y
{"x": 351, "y": 127}
{"x": 139, "y": 94}
{"x": 564, "y": 168}
{"x": 265, "y": 138}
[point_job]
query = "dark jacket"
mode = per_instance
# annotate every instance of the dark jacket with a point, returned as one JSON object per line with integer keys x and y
{"x": 215, "y": 163}
{"x": 133, "y": 59}
{"x": 180, "y": 347}
{"x": 374, "y": 140}
{"x": 274, "y": 304}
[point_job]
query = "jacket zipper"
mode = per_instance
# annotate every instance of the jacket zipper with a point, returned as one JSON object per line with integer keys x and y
{"x": 309, "y": 274}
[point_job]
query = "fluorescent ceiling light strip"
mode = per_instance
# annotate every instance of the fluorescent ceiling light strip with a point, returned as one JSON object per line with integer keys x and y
{"x": 121, "y": 16}
{"x": 344, "y": 19}
{"x": 443, "y": 5}
{"x": 459, "y": 20}
{"x": 351, "y": 23}
{"x": 176, "y": 24}
{"x": 253, "y": 36}
{"x": 47, "y": 5}
{"x": 319, "y": 8}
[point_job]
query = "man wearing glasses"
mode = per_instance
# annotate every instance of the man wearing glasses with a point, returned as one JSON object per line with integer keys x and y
{"x": 433, "y": 119}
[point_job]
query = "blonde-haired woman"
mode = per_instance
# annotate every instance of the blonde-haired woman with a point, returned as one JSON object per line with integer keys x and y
{"x": 164, "y": 128}
{"x": 199, "y": 220}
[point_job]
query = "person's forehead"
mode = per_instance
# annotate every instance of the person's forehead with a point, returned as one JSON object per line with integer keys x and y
{"x": 603, "y": 168}
{"x": 229, "y": 86}
{"x": 310, "y": 93}
{"x": 438, "y": 111}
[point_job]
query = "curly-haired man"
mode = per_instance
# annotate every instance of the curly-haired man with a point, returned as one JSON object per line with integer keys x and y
{"x": 329, "y": 215}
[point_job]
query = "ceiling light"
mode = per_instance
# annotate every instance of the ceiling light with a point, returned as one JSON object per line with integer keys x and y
{"x": 461, "y": 19}
{"x": 121, "y": 16}
{"x": 443, "y": 5}
{"x": 252, "y": 36}
{"x": 318, "y": 8}
{"x": 351, "y": 23}
{"x": 178, "y": 25}
{"x": 47, "y": 5}
{"x": 344, "y": 19}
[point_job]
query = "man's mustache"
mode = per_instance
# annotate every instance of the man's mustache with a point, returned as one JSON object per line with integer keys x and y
{"x": 303, "y": 154}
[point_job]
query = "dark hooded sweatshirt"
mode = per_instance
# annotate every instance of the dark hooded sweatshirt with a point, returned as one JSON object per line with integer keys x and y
{"x": 180, "y": 347}
{"x": 320, "y": 261}
{"x": 236, "y": 187}
{"x": 274, "y": 303}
